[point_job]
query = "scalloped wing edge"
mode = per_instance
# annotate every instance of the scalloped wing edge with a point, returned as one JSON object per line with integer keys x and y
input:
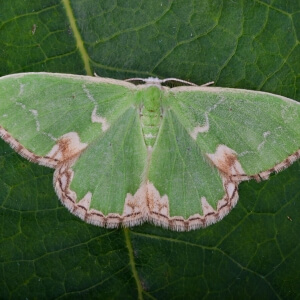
{"x": 155, "y": 208}
{"x": 139, "y": 208}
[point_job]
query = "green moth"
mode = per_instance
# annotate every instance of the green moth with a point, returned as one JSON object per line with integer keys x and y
{"x": 124, "y": 153}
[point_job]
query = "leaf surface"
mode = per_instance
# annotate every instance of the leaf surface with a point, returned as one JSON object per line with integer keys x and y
{"x": 253, "y": 252}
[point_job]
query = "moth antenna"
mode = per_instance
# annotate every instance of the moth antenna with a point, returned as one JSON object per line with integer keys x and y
{"x": 135, "y": 79}
{"x": 207, "y": 84}
{"x": 178, "y": 80}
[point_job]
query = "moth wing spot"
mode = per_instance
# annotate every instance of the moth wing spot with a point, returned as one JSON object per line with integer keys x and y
{"x": 200, "y": 129}
{"x": 67, "y": 147}
{"x": 99, "y": 119}
{"x": 225, "y": 159}
{"x": 94, "y": 117}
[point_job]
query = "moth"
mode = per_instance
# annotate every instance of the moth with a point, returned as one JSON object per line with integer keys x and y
{"x": 124, "y": 154}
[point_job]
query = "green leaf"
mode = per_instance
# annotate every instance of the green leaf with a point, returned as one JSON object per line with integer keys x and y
{"x": 253, "y": 252}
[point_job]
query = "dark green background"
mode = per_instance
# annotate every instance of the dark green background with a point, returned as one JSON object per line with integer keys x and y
{"x": 45, "y": 252}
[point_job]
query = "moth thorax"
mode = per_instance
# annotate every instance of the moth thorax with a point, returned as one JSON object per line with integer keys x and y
{"x": 151, "y": 114}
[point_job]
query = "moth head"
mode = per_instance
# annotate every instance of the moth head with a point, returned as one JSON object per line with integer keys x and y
{"x": 154, "y": 81}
